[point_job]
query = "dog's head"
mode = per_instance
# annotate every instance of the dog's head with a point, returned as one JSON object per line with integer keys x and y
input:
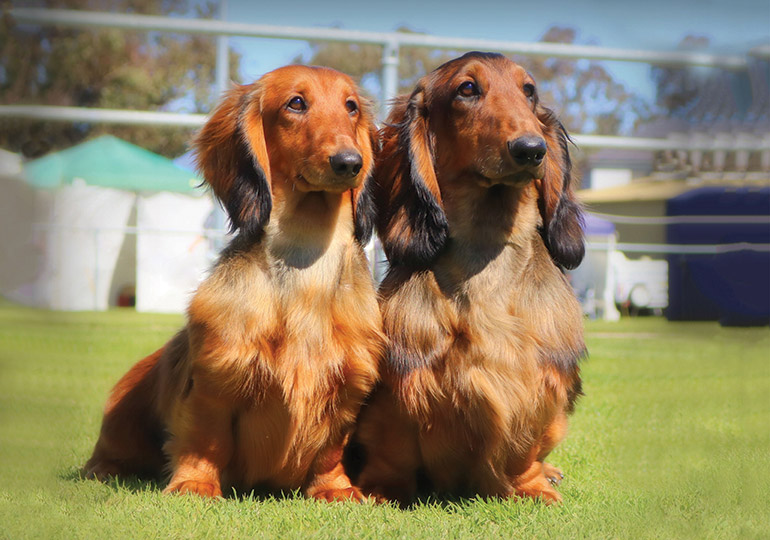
{"x": 474, "y": 119}
{"x": 297, "y": 129}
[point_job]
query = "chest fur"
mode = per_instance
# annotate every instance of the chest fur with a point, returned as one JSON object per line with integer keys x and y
{"x": 480, "y": 332}
{"x": 285, "y": 324}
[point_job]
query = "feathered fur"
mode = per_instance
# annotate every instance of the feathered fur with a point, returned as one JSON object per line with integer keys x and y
{"x": 263, "y": 385}
{"x": 484, "y": 331}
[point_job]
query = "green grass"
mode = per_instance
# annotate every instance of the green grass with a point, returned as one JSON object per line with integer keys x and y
{"x": 672, "y": 440}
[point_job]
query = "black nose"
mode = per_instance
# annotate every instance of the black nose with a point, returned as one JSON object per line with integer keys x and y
{"x": 346, "y": 164}
{"x": 527, "y": 150}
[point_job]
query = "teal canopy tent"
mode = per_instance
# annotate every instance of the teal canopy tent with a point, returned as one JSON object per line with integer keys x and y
{"x": 106, "y": 221}
{"x": 111, "y": 162}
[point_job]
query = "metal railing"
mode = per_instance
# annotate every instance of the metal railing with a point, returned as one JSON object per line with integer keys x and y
{"x": 391, "y": 42}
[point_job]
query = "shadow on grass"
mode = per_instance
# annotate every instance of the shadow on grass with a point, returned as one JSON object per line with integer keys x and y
{"x": 137, "y": 485}
{"x": 133, "y": 484}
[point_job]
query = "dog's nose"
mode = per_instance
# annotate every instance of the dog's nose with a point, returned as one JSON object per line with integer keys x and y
{"x": 346, "y": 164}
{"x": 527, "y": 150}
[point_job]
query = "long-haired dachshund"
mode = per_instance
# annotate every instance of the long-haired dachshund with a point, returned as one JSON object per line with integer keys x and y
{"x": 262, "y": 386}
{"x": 477, "y": 215}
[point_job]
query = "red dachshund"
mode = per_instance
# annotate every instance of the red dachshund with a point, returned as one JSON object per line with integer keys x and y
{"x": 477, "y": 215}
{"x": 263, "y": 384}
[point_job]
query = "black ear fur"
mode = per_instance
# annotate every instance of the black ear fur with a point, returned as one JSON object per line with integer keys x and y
{"x": 562, "y": 229}
{"x": 229, "y": 147}
{"x": 424, "y": 232}
{"x": 364, "y": 212}
{"x": 429, "y": 230}
{"x": 564, "y": 238}
{"x": 249, "y": 201}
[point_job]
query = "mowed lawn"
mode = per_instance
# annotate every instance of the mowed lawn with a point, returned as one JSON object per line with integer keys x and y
{"x": 672, "y": 440}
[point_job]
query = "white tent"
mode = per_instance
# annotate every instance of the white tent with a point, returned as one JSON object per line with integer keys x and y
{"x": 98, "y": 221}
{"x": 170, "y": 264}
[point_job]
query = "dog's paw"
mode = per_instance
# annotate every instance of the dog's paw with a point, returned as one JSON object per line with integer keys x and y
{"x": 401, "y": 493}
{"x": 100, "y": 470}
{"x": 538, "y": 485}
{"x": 552, "y": 474}
{"x": 345, "y": 494}
{"x": 547, "y": 495}
{"x": 204, "y": 489}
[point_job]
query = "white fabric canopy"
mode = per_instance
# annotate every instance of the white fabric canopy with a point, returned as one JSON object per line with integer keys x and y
{"x": 173, "y": 254}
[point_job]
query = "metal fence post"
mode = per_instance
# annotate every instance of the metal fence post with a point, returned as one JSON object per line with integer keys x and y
{"x": 389, "y": 76}
{"x": 223, "y": 58}
{"x": 389, "y": 82}
{"x": 610, "y": 312}
{"x": 96, "y": 270}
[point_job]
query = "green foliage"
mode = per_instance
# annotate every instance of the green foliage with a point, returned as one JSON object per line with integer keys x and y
{"x": 670, "y": 441}
{"x": 679, "y": 87}
{"x": 106, "y": 68}
{"x": 585, "y": 95}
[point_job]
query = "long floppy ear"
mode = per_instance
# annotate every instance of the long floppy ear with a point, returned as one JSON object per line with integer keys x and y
{"x": 232, "y": 157}
{"x": 412, "y": 223}
{"x": 364, "y": 210}
{"x": 561, "y": 212}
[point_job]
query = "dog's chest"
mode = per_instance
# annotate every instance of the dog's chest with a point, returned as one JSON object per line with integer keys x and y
{"x": 304, "y": 389}
{"x": 473, "y": 349}
{"x": 480, "y": 298}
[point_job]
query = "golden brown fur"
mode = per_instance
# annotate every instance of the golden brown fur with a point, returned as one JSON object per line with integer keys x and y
{"x": 485, "y": 333}
{"x": 262, "y": 386}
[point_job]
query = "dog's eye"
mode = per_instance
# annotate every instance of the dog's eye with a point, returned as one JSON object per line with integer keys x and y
{"x": 468, "y": 89}
{"x": 296, "y": 104}
{"x": 529, "y": 91}
{"x": 351, "y": 106}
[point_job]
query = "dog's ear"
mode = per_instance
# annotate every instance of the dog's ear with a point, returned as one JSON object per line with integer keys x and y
{"x": 412, "y": 223}
{"x": 364, "y": 210}
{"x": 232, "y": 156}
{"x": 562, "y": 215}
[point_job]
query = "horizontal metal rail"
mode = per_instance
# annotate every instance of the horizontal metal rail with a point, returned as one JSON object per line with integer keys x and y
{"x": 101, "y": 116}
{"x": 74, "y": 18}
{"x": 670, "y": 143}
{"x": 680, "y": 249}
{"x": 160, "y": 118}
{"x": 679, "y": 220}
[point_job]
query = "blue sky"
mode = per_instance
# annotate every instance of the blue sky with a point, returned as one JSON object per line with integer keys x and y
{"x": 732, "y": 26}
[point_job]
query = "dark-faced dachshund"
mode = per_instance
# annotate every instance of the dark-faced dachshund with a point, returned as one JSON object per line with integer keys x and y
{"x": 477, "y": 216}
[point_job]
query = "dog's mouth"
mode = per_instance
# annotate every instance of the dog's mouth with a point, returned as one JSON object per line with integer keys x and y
{"x": 518, "y": 178}
{"x": 332, "y": 184}
{"x": 496, "y": 170}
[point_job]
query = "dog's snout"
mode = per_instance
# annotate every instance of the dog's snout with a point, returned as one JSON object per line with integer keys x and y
{"x": 346, "y": 164}
{"x": 527, "y": 150}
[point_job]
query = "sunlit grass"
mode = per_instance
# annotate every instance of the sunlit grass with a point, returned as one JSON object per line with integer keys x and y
{"x": 672, "y": 440}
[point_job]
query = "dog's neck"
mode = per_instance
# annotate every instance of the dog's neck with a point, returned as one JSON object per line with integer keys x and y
{"x": 488, "y": 227}
{"x": 306, "y": 225}
{"x": 487, "y": 219}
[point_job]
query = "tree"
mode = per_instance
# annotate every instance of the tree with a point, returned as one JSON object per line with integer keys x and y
{"x": 586, "y": 96}
{"x": 712, "y": 98}
{"x": 583, "y": 92}
{"x": 105, "y": 68}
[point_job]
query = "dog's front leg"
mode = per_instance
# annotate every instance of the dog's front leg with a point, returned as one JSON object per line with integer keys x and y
{"x": 327, "y": 479}
{"x": 201, "y": 444}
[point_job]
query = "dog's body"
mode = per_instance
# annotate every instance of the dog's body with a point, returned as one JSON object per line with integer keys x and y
{"x": 485, "y": 332}
{"x": 262, "y": 386}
